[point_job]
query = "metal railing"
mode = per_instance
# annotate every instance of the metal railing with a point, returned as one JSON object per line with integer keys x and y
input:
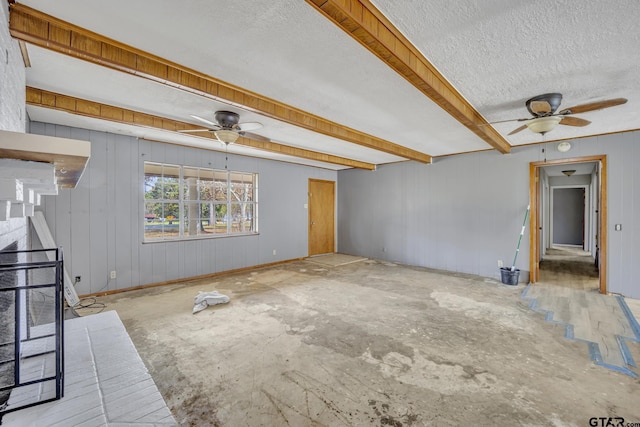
{"x": 31, "y": 328}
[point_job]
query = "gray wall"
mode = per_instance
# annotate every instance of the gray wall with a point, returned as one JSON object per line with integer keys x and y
{"x": 463, "y": 213}
{"x": 567, "y": 181}
{"x": 100, "y": 223}
{"x": 568, "y": 215}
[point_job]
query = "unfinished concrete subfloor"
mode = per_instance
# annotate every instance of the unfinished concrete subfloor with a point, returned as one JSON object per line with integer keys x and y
{"x": 366, "y": 343}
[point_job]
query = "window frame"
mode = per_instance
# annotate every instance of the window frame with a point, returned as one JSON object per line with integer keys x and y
{"x": 238, "y": 213}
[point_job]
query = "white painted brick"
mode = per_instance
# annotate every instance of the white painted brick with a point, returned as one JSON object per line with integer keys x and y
{"x": 5, "y": 213}
{"x": 96, "y": 346}
{"x": 29, "y": 196}
{"x": 17, "y": 210}
{"x": 12, "y": 84}
{"x": 11, "y": 189}
{"x": 13, "y": 117}
{"x": 42, "y": 189}
{"x": 28, "y": 172}
{"x": 13, "y": 230}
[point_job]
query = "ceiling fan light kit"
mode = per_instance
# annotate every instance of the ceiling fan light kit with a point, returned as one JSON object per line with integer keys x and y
{"x": 226, "y": 136}
{"x": 543, "y": 124}
{"x": 564, "y": 146}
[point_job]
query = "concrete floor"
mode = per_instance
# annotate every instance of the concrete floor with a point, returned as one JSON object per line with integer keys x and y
{"x": 366, "y": 343}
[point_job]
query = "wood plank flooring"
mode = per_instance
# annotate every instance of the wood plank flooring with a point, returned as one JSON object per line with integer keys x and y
{"x": 568, "y": 294}
{"x": 569, "y": 266}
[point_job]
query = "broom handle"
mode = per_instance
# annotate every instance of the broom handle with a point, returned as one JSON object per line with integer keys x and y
{"x": 524, "y": 223}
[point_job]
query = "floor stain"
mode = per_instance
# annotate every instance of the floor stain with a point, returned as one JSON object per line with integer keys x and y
{"x": 365, "y": 344}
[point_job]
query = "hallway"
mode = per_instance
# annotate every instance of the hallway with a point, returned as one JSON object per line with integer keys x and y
{"x": 569, "y": 266}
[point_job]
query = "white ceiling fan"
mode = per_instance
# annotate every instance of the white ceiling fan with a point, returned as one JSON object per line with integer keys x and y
{"x": 227, "y": 128}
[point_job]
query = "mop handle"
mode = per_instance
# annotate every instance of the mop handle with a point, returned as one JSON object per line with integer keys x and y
{"x": 524, "y": 224}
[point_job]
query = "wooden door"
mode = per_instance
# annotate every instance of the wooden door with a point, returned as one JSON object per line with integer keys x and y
{"x": 321, "y": 217}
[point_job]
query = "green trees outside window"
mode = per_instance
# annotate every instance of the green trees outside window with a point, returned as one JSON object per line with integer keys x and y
{"x": 185, "y": 202}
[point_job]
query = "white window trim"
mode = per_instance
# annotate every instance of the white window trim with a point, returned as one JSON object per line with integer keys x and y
{"x": 181, "y": 205}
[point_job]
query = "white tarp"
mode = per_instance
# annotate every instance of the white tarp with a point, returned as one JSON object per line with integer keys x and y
{"x": 205, "y": 299}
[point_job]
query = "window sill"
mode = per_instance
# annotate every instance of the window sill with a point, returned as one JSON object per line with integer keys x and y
{"x": 187, "y": 239}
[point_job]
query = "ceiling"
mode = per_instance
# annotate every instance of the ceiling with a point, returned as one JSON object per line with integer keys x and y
{"x": 586, "y": 168}
{"x": 412, "y": 80}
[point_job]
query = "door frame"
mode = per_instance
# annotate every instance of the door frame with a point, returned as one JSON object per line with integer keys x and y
{"x": 534, "y": 197}
{"x": 585, "y": 209}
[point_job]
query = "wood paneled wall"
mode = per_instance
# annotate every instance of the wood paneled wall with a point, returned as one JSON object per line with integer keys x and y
{"x": 464, "y": 213}
{"x": 99, "y": 223}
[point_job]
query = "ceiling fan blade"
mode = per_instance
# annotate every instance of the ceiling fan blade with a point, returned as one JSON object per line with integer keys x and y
{"x": 195, "y": 130}
{"x": 254, "y": 136}
{"x": 249, "y": 126}
{"x": 540, "y": 107}
{"x": 574, "y": 121}
{"x": 507, "y": 121}
{"x": 209, "y": 122}
{"x": 521, "y": 128}
{"x": 592, "y": 106}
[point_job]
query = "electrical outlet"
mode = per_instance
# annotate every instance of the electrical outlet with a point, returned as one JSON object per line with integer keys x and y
{"x": 500, "y": 263}
{"x": 78, "y": 278}
{"x": 618, "y": 227}
{"x": 274, "y": 251}
{"x": 113, "y": 274}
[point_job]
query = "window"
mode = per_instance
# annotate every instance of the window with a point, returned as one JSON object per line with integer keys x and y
{"x": 184, "y": 202}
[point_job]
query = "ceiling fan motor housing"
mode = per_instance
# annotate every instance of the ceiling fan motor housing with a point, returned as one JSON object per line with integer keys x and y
{"x": 553, "y": 101}
{"x": 227, "y": 119}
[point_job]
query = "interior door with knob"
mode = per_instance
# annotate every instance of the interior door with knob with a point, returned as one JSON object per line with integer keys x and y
{"x": 321, "y": 217}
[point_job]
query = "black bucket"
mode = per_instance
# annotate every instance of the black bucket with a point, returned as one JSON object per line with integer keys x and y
{"x": 509, "y": 277}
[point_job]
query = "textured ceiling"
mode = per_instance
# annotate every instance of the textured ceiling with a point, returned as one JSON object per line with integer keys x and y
{"x": 499, "y": 53}
{"x": 496, "y": 54}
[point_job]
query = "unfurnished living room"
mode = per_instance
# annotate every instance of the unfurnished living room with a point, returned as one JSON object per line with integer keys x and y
{"x": 319, "y": 213}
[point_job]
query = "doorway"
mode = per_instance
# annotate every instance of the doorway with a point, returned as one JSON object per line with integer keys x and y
{"x": 568, "y": 222}
{"x": 569, "y": 215}
{"x": 321, "y": 217}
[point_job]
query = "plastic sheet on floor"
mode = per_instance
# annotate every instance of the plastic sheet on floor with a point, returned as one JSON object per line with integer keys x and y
{"x": 205, "y": 299}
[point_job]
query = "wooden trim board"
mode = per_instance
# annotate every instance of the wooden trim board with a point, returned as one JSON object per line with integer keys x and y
{"x": 54, "y": 34}
{"x": 602, "y": 208}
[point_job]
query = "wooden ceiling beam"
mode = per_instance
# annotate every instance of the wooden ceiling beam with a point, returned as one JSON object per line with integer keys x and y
{"x": 45, "y": 31}
{"x": 367, "y": 25}
{"x": 96, "y": 110}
